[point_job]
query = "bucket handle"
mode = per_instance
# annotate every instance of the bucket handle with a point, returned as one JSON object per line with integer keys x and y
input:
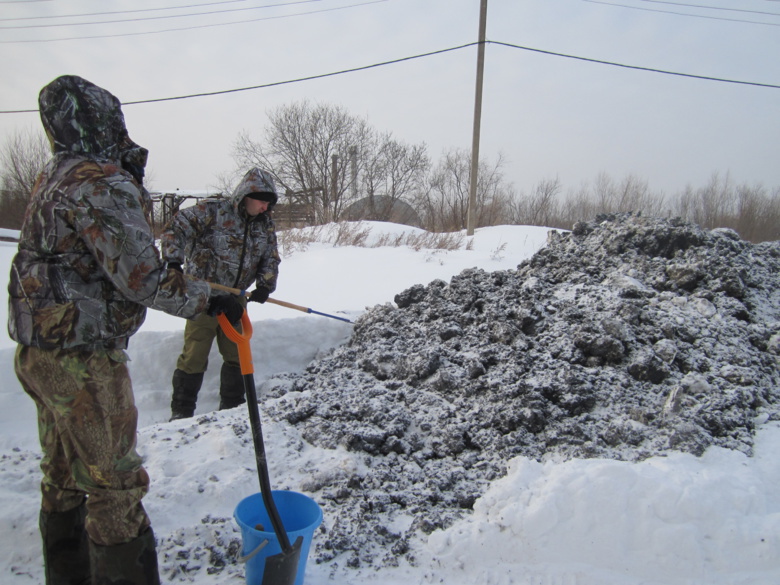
{"x": 261, "y": 546}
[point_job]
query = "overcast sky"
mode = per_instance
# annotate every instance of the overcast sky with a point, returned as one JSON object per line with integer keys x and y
{"x": 548, "y": 115}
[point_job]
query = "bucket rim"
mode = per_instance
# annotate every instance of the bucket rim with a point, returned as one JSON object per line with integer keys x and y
{"x": 312, "y": 525}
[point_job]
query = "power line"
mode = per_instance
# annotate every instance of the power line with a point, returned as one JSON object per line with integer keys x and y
{"x": 275, "y": 83}
{"x": 682, "y": 13}
{"x": 163, "y": 17}
{"x": 115, "y": 11}
{"x": 637, "y": 67}
{"x": 300, "y": 79}
{"x": 210, "y": 25}
{"x": 711, "y": 7}
{"x": 420, "y": 56}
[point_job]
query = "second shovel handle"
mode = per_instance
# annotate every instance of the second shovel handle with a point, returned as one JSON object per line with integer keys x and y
{"x": 243, "y": 293}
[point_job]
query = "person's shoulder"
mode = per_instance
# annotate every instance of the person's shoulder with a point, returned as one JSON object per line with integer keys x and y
{"x": 214, "y": 204}
{"x": 85, "y": 176}
{"x": 80, "y": 169}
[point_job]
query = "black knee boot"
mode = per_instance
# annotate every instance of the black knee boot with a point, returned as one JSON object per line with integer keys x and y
{"x": 131, "y": 563}
{"x": 65, "y": 547}
{"x": 185, "y": 394}
{"x": 231, "y": 387}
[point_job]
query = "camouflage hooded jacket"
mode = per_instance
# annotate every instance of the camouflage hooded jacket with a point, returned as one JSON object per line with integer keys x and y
{"x": 87, "y": 266}
{"x": 216, "y": 240}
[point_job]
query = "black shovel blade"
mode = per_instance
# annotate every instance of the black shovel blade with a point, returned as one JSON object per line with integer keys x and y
{"x": 282, "y": 569}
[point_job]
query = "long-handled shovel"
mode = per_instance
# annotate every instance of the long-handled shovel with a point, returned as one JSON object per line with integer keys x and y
{"x": 280, "y": 569}
{"x": 243, "y": 293}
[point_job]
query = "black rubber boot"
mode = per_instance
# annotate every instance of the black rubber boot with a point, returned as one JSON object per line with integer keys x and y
{"x": 65, "y": 547}
{"x": 185, "y": 394}
{"x": 231, "y": 387}
{"x": 131, "y": 563}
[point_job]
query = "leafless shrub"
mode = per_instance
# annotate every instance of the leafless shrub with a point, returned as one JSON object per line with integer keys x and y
{"x": 359, "y": 234}
{"x": 498, "y": 252}
{"x": 444, "y": 202}
{"x": 434, "y": 241}
{"x": 351, "y": 234}
{"x": 752, "y": 211}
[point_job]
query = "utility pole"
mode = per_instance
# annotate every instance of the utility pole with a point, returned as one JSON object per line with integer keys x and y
{"x": 353, "y": 162}
{"x": 334, "y": 176}
{"x": 472, "y": 211}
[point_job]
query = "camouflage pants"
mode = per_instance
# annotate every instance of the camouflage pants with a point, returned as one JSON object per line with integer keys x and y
{"x": 199, "y": 334}
{"x": 87, "y": 426}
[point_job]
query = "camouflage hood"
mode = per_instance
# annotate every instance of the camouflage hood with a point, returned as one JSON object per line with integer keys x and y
{"x": 86, "y": 120}
{"x": 255, "y": 181}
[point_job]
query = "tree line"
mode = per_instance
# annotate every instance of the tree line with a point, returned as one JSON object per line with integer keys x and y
{"x": 22, "y": 157}
{"x": 333, "y": 166}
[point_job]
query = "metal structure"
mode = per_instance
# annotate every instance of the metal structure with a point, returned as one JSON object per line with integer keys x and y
{"x": 166, "y": 205}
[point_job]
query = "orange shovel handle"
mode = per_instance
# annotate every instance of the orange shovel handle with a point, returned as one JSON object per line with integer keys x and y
{"x": 240, "y": 339}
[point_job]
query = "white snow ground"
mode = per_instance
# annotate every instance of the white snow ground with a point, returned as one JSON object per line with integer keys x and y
{"x": 676, "y": 520}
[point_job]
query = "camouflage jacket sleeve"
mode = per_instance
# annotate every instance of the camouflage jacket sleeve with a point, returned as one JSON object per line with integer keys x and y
{"x": 180, "y": 234}
{"x": 268, "y": 267}
{"x": 114, "y": 226}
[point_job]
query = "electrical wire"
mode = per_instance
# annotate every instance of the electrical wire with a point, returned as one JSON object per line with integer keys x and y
{"x": 276, "y": 83}
{"x": 300, "y": 79}
{"x": 430, "y": 54}
{"x": 210, "y": 25}
{"x": 711, "y": 7}
{"x": 117, "y": 11}
{"x": 637, "y": 67}
{"x": 163, "y": 17}
{"x": 682, "y": 13}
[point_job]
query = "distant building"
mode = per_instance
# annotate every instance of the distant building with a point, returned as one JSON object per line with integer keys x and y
{"x": 382, "y": 208}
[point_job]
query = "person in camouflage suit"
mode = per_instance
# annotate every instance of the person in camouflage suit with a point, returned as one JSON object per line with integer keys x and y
{"x": 232, "y": 242}
{"x": 85, "y": 272}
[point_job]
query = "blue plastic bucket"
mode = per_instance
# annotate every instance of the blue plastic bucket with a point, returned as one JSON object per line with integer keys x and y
{"x": 300, "y": 515}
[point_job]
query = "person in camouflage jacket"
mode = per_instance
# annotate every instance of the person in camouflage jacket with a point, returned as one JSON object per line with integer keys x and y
{"x": 232, "y": 242}
{"x": 85, "y": 272}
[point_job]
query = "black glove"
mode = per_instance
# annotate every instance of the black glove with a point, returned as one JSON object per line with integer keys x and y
{"x": 175, "y": 266}
{"x": 227, "y": 304}
{"x": 259, "y": 295}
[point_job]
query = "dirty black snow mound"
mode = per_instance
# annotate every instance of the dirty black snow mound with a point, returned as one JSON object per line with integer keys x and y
{"x": 625, "y": 338}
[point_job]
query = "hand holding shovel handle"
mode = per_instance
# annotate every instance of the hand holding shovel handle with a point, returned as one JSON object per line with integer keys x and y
{"x": 243, "y": 293}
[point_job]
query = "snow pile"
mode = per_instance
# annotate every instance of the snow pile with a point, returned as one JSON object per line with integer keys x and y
{"x": 628, "y": 337}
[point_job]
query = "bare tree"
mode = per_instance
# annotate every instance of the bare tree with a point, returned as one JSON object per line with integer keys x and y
{"x": 607, "y": 196}
{"x": 713, "y": 204}
{"x": 603, "y": 192}
{"x": 22, "y": 158}
{"x": 631, "y": 194}
{"x": 494, "y": 194}
{"x": 444, "y": 203}
{"x": 542, "y": 203}
{"x": 306, "y": 147}
{"x": 393, "y": 170}
{"x": 751, "y": 211}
